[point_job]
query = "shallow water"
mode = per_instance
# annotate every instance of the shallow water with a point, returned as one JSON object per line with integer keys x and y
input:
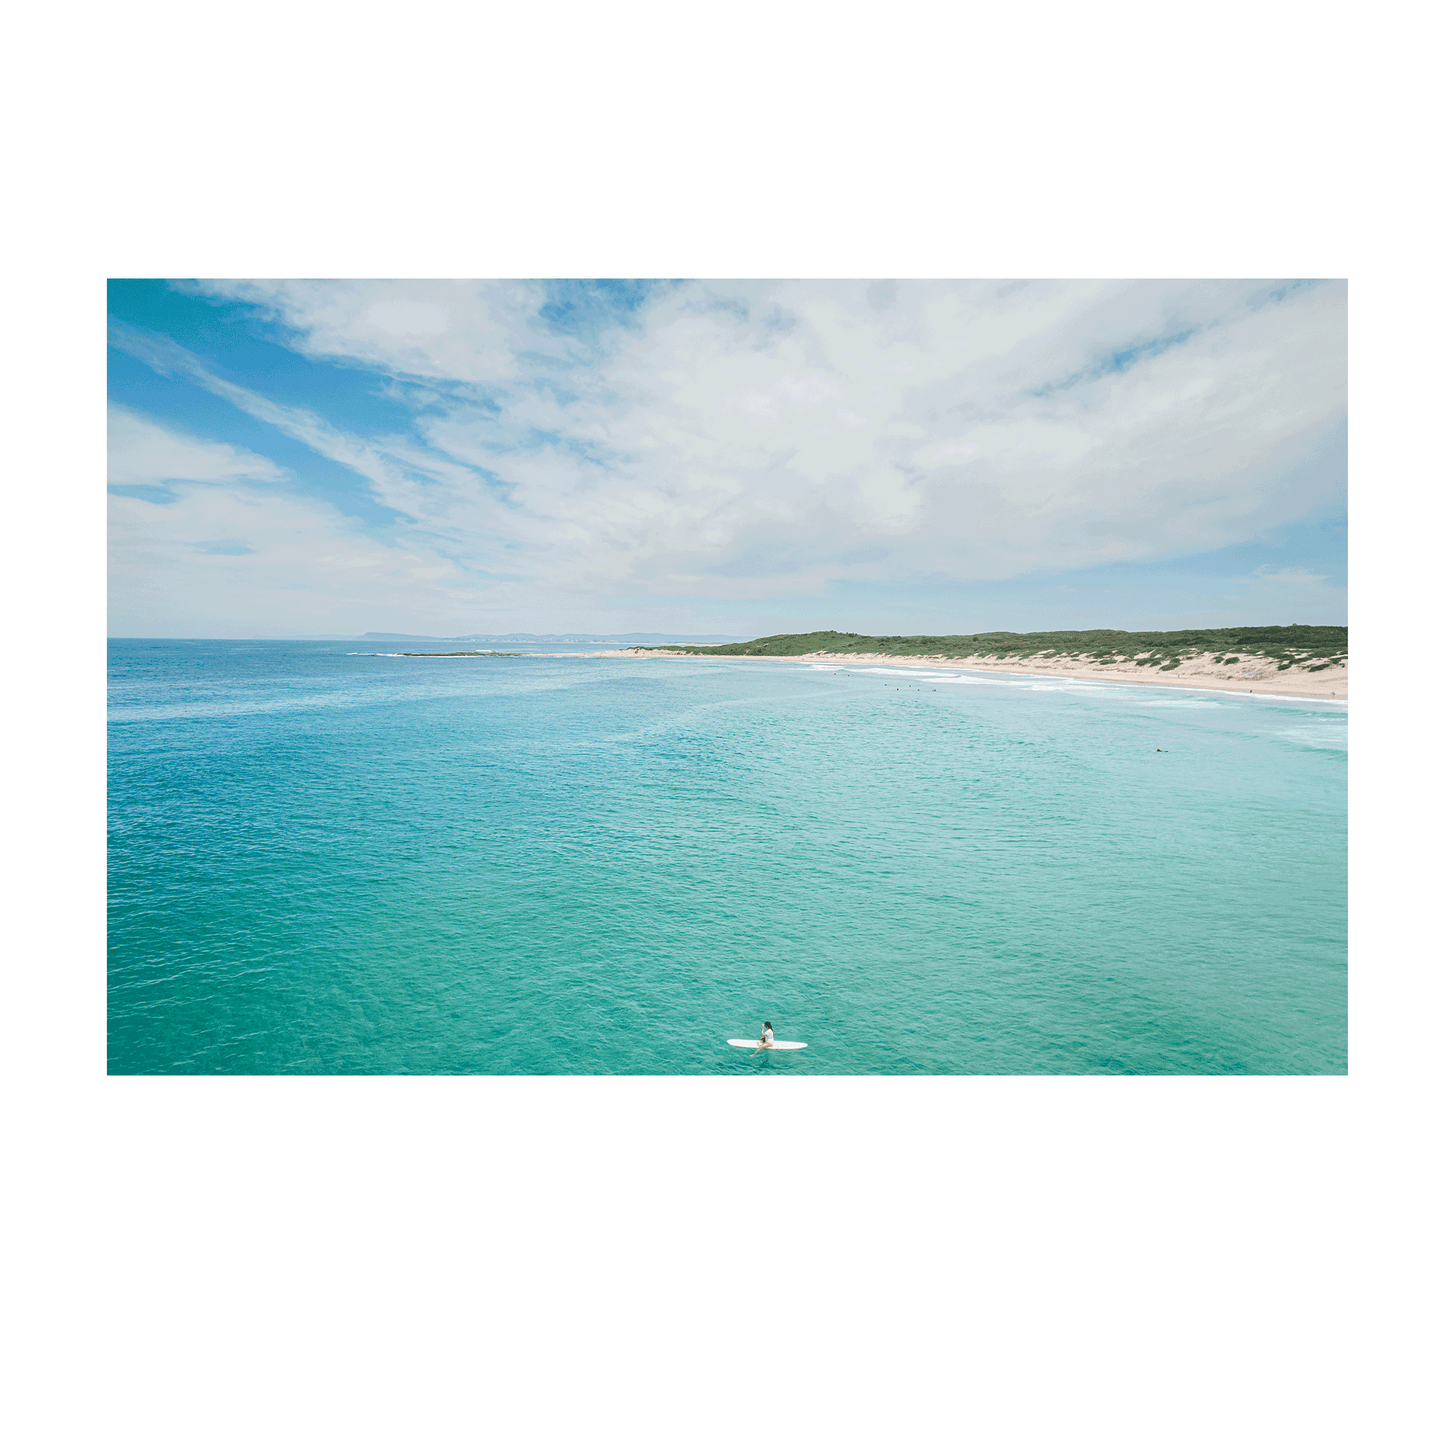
{"x": 323, "y": 862}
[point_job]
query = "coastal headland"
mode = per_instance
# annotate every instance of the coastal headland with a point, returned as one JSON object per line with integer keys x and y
{"x": 1296, "y": 661}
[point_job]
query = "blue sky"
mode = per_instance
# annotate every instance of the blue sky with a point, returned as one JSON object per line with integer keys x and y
{"x": 724, "y": 457}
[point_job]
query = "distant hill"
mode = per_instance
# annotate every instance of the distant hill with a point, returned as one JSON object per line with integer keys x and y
{"x": 630, "y": 639}
{"x": 1284, "y": 645}
{"x": 619, "y": 637}
{"x": 634, "y": 638}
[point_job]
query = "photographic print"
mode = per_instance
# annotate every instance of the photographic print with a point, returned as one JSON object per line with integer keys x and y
{"x": 720, "y": 677}
{"x": 614, "y": 700}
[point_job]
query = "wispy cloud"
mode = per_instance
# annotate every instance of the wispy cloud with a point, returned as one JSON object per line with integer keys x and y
{"x": 210, "y": 540}
{"x": 144, "y": 454}
{"x": 661, "y": 440}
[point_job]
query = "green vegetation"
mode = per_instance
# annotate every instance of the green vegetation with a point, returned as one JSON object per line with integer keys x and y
{"x": 1282, "y": 645}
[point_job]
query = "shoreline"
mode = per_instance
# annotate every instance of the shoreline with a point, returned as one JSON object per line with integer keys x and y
{"x": 1250, "y": 675}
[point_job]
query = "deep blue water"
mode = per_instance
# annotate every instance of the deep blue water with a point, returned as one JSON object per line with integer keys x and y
{"x": 322, "y": 862}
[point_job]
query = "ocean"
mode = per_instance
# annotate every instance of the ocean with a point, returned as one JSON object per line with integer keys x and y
{"x": 329, "y": 861}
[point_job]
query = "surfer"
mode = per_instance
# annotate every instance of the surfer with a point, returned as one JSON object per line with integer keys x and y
{"x": 765, "y": 1039}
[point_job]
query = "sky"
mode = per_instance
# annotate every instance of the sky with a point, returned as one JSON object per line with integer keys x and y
{"x": 723, "y": 457}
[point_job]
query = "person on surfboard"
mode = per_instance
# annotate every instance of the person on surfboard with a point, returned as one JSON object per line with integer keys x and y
{"x": 765, "y": 1039}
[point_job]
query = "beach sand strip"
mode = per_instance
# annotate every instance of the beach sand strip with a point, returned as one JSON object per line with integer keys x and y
{"x": 1248, "y": 674}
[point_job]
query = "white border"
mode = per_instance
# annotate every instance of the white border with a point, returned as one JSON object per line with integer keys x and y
{"x": 85, "y": 1097}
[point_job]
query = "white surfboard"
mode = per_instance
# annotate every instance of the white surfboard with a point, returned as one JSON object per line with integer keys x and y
{"x": 753, "y": 1043}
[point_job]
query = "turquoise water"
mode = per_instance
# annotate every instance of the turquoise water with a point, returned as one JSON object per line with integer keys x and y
{"x": 331, "y": 863}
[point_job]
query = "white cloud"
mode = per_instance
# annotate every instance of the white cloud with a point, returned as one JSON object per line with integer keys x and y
{"x": 221, "y": 561}
{"x": 1297, "y": 587}
{"x": 445, "y": 330}
{"x": 736, "y": 439}
{"x": 234, "y": 549}
{"x": 142, "y": 453}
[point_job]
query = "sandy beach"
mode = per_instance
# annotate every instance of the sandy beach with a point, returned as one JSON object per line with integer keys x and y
{"x": 1248, "y": 674}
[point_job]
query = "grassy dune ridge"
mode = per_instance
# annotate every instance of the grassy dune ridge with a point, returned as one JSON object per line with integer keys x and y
{"x": 1312, "y": 648}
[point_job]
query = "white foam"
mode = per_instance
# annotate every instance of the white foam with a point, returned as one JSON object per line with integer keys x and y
{"x": 1175, "y": 702}
{"x": 1061, "y": 682}
{"x": 1034, "y": 682}
{"x": 1329, "y": 735}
